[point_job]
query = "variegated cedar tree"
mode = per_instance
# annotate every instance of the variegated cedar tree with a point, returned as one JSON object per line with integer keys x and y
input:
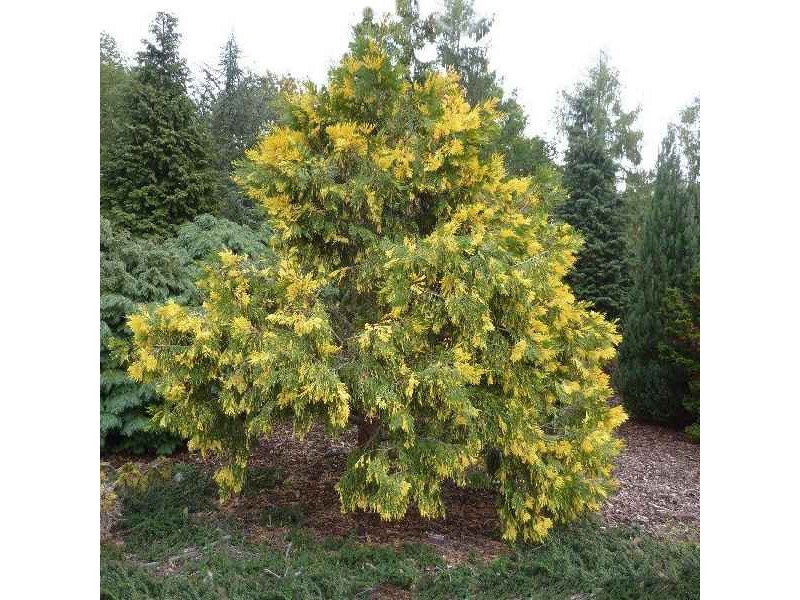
{"x": 418, "y": 294}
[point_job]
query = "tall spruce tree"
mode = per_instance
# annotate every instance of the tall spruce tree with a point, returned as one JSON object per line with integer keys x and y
{"x": 658, "y": 373}
{"x": 602, "y": 144}
{"x": 159, "y": 170}
{"x": 238, "y": 105}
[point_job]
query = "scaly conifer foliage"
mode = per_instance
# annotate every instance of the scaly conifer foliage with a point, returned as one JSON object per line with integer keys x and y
{"x": 135, "y": 272}
{"x": 418, "y": 294}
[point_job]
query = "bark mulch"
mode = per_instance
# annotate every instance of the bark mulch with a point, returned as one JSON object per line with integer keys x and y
{"x": 658, "y": 471}
{"x": 309, "y": 470}
{"x": 659, "y": 475}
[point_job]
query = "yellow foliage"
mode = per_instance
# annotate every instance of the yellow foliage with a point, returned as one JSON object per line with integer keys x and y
{"x": 519, "y": 350}
{"x": 282, "y": 148}
{"x": 349, "y": 136}
{"x": 416, "y": 285}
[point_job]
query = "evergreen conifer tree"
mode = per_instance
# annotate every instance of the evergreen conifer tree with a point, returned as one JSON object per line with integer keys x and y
{"x": 658, "y": 371}
{"x": 114, "y": 77}
{"x": 600, "y": 139}
{"x": 635, "y": 203}
{"x": 238, "y": 106}
{"x": 141, "y": 271}
{"x": 417, "y": 295}
{"x": 159, "y": 170}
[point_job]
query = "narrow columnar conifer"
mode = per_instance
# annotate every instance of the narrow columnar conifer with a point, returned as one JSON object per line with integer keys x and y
{"x": 659, "y": 360}
{"x": 418, "y": 294}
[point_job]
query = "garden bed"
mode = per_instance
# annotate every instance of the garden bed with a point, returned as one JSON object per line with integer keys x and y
{"x": 292, "y": 481}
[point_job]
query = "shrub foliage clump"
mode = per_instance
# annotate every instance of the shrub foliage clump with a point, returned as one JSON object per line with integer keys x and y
{"x": 417, "y": 293}
{"x": 140, "y": 271}
{"x": 132, "y": 272}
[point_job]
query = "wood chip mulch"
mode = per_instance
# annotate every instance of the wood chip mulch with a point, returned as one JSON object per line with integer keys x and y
{"x": 658, "y": 471}
{"x": 659, "y": 475}
{"x": 312, "y": 466}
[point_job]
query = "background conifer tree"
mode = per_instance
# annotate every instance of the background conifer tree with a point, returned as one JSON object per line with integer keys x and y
{"x": 658, "y": 372}
{"x": 238, "y": 106}
{"x": 114, "y": 77}
{"x": 132, "y": 272}
{"x": 159, "y": 170}
{"x": 635, "y": 203}
{"x": 602, "y": 144}
{"x": 141, "y": 271}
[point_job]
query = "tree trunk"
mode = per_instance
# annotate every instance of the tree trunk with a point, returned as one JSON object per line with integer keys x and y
{"x": 367, "y": 431}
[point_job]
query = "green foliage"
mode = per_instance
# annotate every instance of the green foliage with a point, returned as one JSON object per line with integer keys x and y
{"x": 238, "y": 106}
{"x": 158, "y": 169}
{"x": 659, "y": 367}
{"x": 109, "y": 501}
{"x": 173, "y": 525}
{"x": 635, "y": 204}
{"x": 582, "y": 560}
{"x": 458, "y": 35}
{"x": 134, "y": 272}
{"x": 601, "y": 142}
{"x": 159, "y": 516}
{"x": 417, "y": 292}
{"x": 595, "y": 209}
{"x": 595, "y": 108}
{"x": 459, "y": 32}
{"x": 680, "y": 347}
{"x": 207, "y": 235}
{"x": 114, "y": 79}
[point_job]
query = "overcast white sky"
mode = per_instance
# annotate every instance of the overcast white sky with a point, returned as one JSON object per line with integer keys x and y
{"x": 538, "y": 47}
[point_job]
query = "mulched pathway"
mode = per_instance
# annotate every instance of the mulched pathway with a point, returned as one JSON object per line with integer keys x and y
{"x": 659, "y": 475}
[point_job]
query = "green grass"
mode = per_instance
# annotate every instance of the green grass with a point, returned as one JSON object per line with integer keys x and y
{"x": 176, "y": 546}
{"x": 260, "y": 479}
{"x": 583, "y": 560}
